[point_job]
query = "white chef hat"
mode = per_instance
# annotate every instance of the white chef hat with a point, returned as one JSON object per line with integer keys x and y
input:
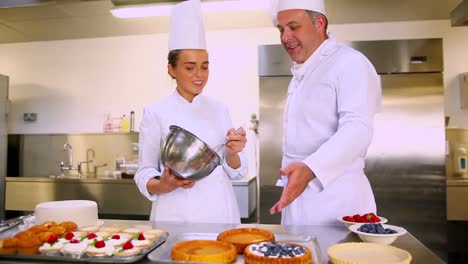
{"x": 187, "y": 29}
{"x": 281, "y": 5}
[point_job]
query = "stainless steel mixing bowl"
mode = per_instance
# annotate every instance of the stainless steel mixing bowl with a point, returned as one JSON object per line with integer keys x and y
{"x": 187, "y": 156}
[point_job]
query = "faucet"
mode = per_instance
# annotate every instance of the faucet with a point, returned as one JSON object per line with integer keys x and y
{"x": 90, "y": 155}
{"x": 80, "y": 167}
{"x": 96, "y": 168}
{"x": 69, "y": 166}
{"x": 70, "y": 153}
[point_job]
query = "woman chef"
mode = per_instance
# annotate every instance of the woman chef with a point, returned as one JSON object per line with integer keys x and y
{"x": 210, "y": 200}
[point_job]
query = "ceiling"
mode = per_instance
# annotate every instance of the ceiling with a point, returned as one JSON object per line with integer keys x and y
{"x": 72, "y": 19}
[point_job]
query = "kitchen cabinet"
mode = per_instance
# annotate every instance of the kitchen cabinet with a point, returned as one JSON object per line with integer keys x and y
{"x": 457, "y": 195}
{"x": 463, "y": 79}
{"x": 245, "y": 190}
{"x": 114, "y": 197}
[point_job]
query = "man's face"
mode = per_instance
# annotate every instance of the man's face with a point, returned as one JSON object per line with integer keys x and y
{"x": 299, "y": 35}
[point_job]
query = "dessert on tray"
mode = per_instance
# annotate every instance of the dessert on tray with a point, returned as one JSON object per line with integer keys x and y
{"x": 65, "y": 241}
{"x": 204, "y": 251}
{"x": 277, "y": 253}
{"x": 242, "y": 237}
{"x": 81, "y": 212}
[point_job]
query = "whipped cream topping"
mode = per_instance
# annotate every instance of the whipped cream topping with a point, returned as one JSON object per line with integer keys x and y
{"x": 55, "y": 246}
{"x": 118, "y": 242}
{"x": 107, "y": 250}
{"x": 141, "y": 243}
{"x": 72, "y": 248}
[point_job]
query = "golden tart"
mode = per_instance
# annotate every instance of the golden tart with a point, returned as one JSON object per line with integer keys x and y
{"x": 242, "y": 237}
{"x": 204, "y": 251}
{"x": 356, "y": 253}
{"x": 277, "y": 253}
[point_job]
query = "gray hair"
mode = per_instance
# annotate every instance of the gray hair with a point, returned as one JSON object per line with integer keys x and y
{"x": 314, "y": 15}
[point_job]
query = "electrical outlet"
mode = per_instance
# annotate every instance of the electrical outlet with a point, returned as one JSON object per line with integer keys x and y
{"x": 29, "y": 117}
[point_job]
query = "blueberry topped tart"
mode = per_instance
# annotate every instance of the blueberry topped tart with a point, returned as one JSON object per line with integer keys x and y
{"x": 277, "y": 252}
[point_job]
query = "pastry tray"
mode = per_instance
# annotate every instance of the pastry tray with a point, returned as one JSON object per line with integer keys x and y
{"x": 163, "y": 253}
{"x": 91, "y": 259}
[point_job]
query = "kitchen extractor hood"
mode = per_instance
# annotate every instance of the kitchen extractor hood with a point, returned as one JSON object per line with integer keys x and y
{"x": 141, "y": 2}
{"x": 459, "y": 15}
{"x": 24, "y": 3}
{"x": 403, "y": 56}
{"x": 145, "y": 8}
{"x": 388, "y": 56}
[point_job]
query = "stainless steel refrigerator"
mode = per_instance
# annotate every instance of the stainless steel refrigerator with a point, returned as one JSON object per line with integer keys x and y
{"x": 408, "y": 144}
{"x": 4, "y": 103}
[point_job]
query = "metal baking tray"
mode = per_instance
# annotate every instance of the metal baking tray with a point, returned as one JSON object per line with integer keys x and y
{"x": 90, "y": 259}
{"x": 6, "y": 225}
{"x": 163, "y": 253}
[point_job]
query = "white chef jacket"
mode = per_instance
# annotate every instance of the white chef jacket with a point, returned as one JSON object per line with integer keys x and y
{"x": 328, "y": 125}
{"x": 212, "y": 199}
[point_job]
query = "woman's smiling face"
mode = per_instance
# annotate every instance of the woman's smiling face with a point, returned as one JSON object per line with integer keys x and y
{"x": 191, "y": 72}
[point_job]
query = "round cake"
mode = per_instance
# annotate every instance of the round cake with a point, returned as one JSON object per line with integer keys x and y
{"x": 277, "y": 253}
{"x": 242, "y": 237}
{"x": 204, "y": 251}
{"x": 82, "y": 212}
{"x": 359, "y": 252}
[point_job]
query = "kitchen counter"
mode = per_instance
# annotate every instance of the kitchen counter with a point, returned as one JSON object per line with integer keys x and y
{"x": 457, "y": 181}
{"x": 326, "y": 236}
{"x": 457, "y": 192}
{"x": 113, "y": 196}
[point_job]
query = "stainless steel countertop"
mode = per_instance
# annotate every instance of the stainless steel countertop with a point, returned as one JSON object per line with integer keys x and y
{"x": 326, "y": 235}
{"x": 65, "y": 179}
{"x": 242, "y": 181}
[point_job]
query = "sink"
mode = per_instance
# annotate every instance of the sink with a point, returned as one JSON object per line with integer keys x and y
{"x": 67, "y": 177}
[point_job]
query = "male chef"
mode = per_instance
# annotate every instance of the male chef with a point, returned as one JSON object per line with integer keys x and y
{"x": 328, "y": 120}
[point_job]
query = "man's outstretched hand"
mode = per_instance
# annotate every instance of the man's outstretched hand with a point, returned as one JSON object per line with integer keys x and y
{"x": 299, "y": 175}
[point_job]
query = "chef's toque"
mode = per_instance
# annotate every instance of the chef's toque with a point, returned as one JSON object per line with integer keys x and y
{"x": 187, "y": 29}
{"x": 281, "y": 5}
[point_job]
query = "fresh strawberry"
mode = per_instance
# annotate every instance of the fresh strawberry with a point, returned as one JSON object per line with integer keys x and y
{"x": 52, "y": 239}
{"x": 74, "y": 241}
{"x": 348, "y": 218}
{"x": 368, "y": 217}
{"x": 141, "y": 236}
{"x": 92, "y": 235}
{"x": 100, "y": 244}
{"x": 375, "y": 219}
{"x": 357, "y": 218}
{"x": 69, "y": 236}
{"x": 127, "y": 245}
{"x": 115, "y": 237}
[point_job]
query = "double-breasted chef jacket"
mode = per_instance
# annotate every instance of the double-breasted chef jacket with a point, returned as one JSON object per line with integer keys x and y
{"x": 328, "y": 125}
{"x": 212, "y": 199}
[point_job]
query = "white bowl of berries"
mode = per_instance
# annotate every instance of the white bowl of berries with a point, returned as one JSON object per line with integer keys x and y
{"x": 349, "y": 220}
{"x": 377, "y": 233}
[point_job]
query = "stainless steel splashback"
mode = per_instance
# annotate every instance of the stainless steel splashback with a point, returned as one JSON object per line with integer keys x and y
{"x": 273, "y": 61}
{"x": 403, "y": 56}
{"x": 387, "y": 56}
